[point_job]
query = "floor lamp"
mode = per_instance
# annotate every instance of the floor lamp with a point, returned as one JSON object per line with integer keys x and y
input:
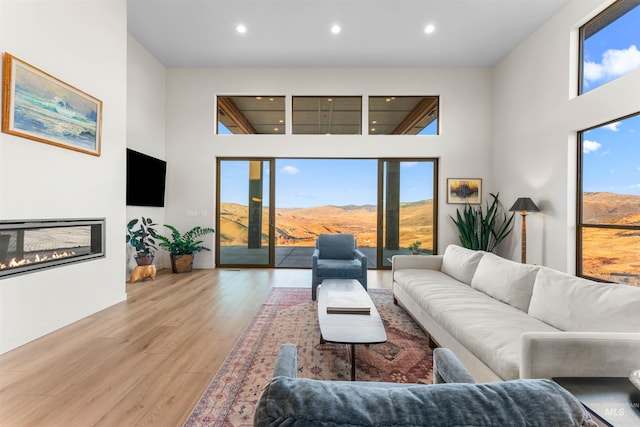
{"x": 524, "y": 205}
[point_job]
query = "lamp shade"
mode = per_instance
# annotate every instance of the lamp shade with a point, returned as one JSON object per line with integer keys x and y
{"x": 524, "y": 204}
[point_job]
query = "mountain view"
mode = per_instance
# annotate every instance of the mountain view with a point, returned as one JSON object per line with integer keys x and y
{"x": 301, "y": 226}
{"x": 602, "y": 254}
{"x": 612, "y": 254}
{"x": 611, "y": 208}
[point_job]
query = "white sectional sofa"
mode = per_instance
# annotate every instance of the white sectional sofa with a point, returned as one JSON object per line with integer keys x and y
{"x": 506, "y": 320}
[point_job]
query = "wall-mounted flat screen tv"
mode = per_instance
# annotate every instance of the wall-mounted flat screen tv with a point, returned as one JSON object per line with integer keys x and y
{"x": 145, "y": 180}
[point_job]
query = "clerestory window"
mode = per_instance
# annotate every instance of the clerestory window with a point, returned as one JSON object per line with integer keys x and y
{"x": 610, "y": 45}
{"x": 403, "y": 115}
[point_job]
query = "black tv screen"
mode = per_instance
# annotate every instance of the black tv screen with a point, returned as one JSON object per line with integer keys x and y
{"x": 145, "y": 180}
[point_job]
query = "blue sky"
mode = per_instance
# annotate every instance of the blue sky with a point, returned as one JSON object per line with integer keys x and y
{"x": 612, "y": 51}
{"x": 318, "y": 182}
{"x": 611, "y": 157}
{"x": 611, "y": 153}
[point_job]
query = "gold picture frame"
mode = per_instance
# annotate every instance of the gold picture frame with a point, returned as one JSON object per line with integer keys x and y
{"x": 42, "y": 108}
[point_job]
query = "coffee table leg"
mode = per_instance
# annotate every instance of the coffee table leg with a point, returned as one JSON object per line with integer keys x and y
{"x": 353, "y": 361}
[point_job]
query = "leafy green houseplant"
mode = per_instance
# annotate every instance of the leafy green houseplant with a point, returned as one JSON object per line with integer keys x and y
{"x": 182, "y": 247}
{"x": 142, "y": 239}
{"x": 483, "y": 231}
{"x": 415, "y": 247}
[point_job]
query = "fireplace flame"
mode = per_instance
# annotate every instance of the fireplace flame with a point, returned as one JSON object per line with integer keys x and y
{"x": 36, "y": 259}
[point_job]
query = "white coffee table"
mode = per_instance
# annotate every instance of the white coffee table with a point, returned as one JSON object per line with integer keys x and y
{"x": 350, "y": 329}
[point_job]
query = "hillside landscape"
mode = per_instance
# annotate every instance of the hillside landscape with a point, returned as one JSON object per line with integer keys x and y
{"x": 608, "y": 254}
{"x": 301, "y": 226}
{"x": 611, "y": 208}
{"x": 612, "y": 254}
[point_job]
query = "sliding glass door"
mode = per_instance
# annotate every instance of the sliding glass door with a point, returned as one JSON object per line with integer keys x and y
{"x": 245, "y": 215}
{"x": 270, "y": 211}
{"x": 407, "y": 212}
{"x": 316, "y": 196}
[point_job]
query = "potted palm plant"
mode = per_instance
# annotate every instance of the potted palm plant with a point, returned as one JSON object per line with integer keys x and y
{"x": 483, "y": 231}
{"x": 142, "y": 239}
{"x": 182, "y": 247}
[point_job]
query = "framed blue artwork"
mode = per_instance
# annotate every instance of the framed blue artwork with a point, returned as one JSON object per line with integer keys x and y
{"x": 40, "y": 107}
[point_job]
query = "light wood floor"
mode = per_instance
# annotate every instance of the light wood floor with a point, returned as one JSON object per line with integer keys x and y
{"x": 145, "y": 361}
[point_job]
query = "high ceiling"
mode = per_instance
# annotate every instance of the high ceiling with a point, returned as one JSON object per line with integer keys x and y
{"x": 297, "y": 33}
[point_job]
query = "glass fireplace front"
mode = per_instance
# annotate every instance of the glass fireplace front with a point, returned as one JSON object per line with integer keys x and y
{"x": 27, "y": 246}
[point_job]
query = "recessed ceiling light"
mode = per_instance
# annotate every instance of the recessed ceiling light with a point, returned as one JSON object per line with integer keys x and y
{"x": 241, "y": 28}
{"x": 429, "y": 29}
{"x": 336, "y": 29}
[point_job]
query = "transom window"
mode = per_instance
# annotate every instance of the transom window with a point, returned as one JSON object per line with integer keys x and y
{"x": 327, "y": 115}
{"x": 608, "y": 229}
{"x": 251, "y": 115}
{"x": 610, "y": 45}
{"x": 403, "y": 115}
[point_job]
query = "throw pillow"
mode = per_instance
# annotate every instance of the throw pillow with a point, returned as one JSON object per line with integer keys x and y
{"x": 570, "y": 303}
{"x": 460, "y": 263}
{"x": 508, "y": 281}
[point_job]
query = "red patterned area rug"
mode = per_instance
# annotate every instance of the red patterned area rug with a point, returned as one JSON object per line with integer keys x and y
{"x": 289, "y": 315}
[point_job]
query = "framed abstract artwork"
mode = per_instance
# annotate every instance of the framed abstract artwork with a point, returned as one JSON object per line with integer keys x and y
{"x": 464, "y": 190}
{"x": 40, "y": 107}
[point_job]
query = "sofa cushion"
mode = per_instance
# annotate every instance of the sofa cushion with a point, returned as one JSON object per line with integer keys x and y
{"x": 488, "y": 328}
{"x": 460, "y": 263}
{"x": 302, "y": 402}
{"x": 571, "y": 303}
{"x": 338, "y": 268}
{"x": 422, "y": 284}
{"x": 508, "y": 281}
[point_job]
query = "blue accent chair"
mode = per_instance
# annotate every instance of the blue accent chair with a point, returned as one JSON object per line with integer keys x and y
{"x": 337, "y": 257}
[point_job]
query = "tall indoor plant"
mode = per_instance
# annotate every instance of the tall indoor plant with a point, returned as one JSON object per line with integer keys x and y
{"x": 483, "y": 231}
{"x": 182, "y": 247}
{"x": 142, "y": 239}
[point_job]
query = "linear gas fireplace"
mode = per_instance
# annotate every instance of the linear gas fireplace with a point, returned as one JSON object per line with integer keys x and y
{"x": 28, "y": 246}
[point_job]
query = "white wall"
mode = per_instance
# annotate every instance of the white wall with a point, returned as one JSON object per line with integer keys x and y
{"x": 192, "y": 146}
{"x": 145, "y": 127}
{"x": 83, "y": 44}
{"x": 536, "y": 117}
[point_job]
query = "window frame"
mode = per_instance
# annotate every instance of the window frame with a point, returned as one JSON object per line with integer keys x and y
{"x": 580, "y": 225}
{"x": 603, "y": 19}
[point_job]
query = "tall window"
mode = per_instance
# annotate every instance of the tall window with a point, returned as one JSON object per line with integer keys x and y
{"x": 610, "y": 45}
{"x": 609, "y": 202}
